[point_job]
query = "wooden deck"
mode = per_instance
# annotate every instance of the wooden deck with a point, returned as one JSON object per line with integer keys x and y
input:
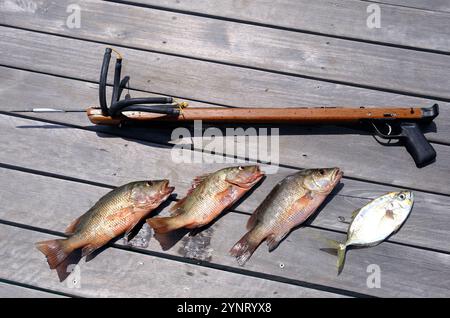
{"x": 284, "y": 53}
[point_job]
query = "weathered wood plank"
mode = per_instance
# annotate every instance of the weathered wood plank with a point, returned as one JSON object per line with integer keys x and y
{"x": 299, "y": 257}
{"x": 81, "y": 154}
{"x": 343, "y": 18}
{"x": 15, "y": 291}
{"x": 433, "y": 5}
{"x": 299, "y": 147}
{"x": 120, "y": 273}
{"x": 278, "y": 50}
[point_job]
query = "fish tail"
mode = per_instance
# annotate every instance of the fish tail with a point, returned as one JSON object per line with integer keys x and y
{"x": 244, "y": 248}
{"x": 341, "y": 257}
{"x": 168, "y": 224}
{"x": 341, "y": 250}
{"x": 56, "y": 251}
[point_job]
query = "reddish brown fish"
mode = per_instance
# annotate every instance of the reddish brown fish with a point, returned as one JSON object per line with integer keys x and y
{"x": 118, "y": 212}
{"x": 209, "y": 196}
{"x": 289, "y": 204}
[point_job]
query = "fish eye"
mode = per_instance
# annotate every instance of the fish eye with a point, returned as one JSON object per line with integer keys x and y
{"x": 402, "y": 196}
{"x": 322, "y": 172}
{"x": 241, "y": 168}
{"x": 149, "y": 183}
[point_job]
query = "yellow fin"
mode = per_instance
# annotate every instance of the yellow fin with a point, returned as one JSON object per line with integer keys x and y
{"x": 120, "y": 214}
{"x": 72, "y": 228}
{"x": 176, "y": 209}
{"x": 355, "y": 213}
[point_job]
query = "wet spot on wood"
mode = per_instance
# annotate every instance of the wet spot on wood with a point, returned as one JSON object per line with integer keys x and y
{"x": 198, "y": 246}
{"x": 142, "y": 239}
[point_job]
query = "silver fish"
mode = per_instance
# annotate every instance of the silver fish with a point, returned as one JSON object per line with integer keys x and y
{"x": 374, "y": 222}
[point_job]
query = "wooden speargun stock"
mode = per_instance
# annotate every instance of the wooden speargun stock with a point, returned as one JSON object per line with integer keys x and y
{"x": 397, "y": 123}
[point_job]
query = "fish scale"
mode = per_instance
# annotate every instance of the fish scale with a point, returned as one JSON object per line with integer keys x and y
{"x": 209, "y": 202}
{"x": 95, "y": 222}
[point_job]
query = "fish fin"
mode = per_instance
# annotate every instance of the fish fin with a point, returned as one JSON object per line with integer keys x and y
{"x": 355, "y": 213}
{"x": 177, "y": 208}
{"x": 120, "y": 214}
{"x": 252, "y": 220}
{"x": 303, "y": 202}
{"x": 130, "y": 228}
{"x": 341, "y": 257}
{"x": 91, "y": 248}
{"x": 226, "y": 198}
{"x": 73, "y": 226}
{"x": 273, "y": 240}
{"x": 56, "y": 251}
{"x": 167, "y": 224}
{"x": 244, "y": 248}
{"x": 197, "y": 181}
{"x": 341, "y": 250}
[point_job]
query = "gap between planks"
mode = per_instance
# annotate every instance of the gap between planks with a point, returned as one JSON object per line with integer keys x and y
{"x": 299, "y": 288}
{"x": 441, "y": 6}
{"x": 14, "y": 289}
{"x": 244, "y": 13}
{"x": 330, "y": 72}
{"x": 171, "y": 200}
{"x": 424, "y": 201}
{"x": 224, "y": 155}
{"x": 226, "y": 231}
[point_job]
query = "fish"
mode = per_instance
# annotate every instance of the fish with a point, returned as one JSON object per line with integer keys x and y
{"x": 208, "y": 197}
{"x": 374, "y": 222}
{"x": 292, "y": 201}
{"x": 117, "y": 212}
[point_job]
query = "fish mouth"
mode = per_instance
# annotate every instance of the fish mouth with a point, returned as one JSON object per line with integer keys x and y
{"x": 249, "y": 181}
{"x": 170, "y": 189}
{"x": 258, "y": 173}
{"x": 338, "y": 174}
{"x": 166, "y": 189}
